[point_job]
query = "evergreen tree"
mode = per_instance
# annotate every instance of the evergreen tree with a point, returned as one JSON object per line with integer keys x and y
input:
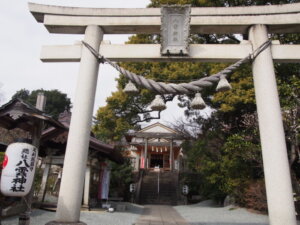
{"x": 57, "y": 102}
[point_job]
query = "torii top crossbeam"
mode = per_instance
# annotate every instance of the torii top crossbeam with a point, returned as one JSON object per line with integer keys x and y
{"x": 70, "y": 20}
{"x": 218, "y": 20}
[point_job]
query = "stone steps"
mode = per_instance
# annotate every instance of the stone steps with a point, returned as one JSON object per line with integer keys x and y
{"x": 168, "y": 188}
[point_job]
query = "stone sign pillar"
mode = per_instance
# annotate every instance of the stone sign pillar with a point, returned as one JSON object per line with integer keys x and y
{"x": 274, "y": 152}
{"x": 71, "y": 190}
{"x": 87, "y": 182}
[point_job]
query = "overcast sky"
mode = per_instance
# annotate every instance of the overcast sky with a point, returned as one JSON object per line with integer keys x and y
{"x": 21, "y": 39}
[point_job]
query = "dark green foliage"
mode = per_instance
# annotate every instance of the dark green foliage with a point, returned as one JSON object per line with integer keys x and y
{"x": 121, "y": 178}
{"x": 193, "y": 181}
{"x": 241, "y": 162}
{"x": 225, "y": 164}
{"x": 37, "y": 181}
{"x": 22, "y": 94}
{"x": 56, "y": 103}
{"x": 1, "y": 157}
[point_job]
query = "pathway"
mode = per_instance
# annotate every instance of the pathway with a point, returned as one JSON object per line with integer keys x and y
{"x": 204, "y": 213}
{"x": 160, "y": 215}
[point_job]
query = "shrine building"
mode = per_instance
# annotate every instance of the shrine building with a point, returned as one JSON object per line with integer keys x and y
{"x": 155, "y": 146}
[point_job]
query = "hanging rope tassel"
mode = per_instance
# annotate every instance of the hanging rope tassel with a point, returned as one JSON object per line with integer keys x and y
{"x": 158, "y": 104}
{"x": 130, "y": 88}
{"x": 198, "y": 102}
{"x": 223, "y": 84}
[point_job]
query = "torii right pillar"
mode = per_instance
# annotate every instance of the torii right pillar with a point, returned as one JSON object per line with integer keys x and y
{"x": 276, "y": 166}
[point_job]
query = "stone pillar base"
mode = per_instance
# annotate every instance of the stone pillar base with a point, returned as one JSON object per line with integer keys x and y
{"x": 65, "y": 223}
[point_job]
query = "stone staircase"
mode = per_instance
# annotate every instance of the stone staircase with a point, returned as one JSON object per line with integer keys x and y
{"x": 168, "y": 188}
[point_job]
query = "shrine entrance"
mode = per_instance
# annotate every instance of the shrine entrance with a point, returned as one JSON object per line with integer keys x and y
{"x": 166, "y": 161}
{"x": 157, "y": 160}
{"x": 175, "y": 23}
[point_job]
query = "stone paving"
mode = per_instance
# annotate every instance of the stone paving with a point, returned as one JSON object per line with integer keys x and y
{"x": 208, "y": 213}
{"x": 204, "y": 213}
{"x": 160, "y": 215}
{"x": 128, "y": 217}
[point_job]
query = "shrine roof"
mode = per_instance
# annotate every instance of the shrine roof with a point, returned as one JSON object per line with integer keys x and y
{"x": 156, "y": 130}
{"x": 57, "y": 137}
{"x": 19, "y": 114}
{"x": 157, "y": 127}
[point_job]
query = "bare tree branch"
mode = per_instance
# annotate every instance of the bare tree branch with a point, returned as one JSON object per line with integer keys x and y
{"x": 146, "y": 119}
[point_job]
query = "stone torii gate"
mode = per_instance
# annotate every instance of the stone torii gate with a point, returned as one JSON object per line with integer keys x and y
{"x": 257, "y": 21}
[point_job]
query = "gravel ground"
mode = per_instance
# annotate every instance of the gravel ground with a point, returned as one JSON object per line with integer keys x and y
{"x": 207, "y": 213}
{"x": 40, "y": 217}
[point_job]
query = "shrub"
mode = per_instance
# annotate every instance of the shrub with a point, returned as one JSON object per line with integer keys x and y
{"x": 255, "y": 196}
{"x": 194, "y": 182}
{"x": 37, "y": 181}
{"x": 121, "y": 177}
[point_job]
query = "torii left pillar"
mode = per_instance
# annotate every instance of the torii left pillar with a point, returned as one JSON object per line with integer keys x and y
{"x": 71, "y": 190}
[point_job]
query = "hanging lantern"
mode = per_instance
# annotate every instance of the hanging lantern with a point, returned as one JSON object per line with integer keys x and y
{"x": 152, "y": 148}
{"x": 130, "y": 88}
{"x": 223, "y": 84}
{"x": 166, "y": 149}
{"x": 158, "y": 104}
{"x": 18, "y": 169}
{"x": 198, "y": 102}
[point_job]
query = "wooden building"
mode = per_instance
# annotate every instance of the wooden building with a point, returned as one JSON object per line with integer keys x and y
{"x": 24, "y": 117}
{"x": 155, "y": 146}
